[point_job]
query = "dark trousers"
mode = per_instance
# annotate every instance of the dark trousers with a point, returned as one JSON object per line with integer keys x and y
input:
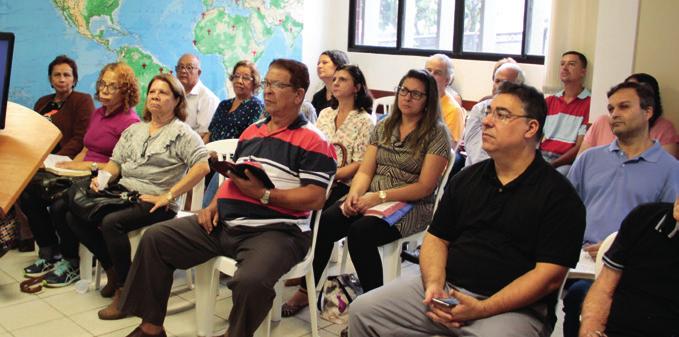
{"x": 572, "y": 305}
{"x": 49, "y": 227}
{"x": 109, "y": 242}
{"x": 264, "y": 254}
{"x": 364, "y": 235}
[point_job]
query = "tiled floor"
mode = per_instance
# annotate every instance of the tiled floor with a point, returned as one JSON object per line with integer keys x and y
{"x": 63, "y": 312}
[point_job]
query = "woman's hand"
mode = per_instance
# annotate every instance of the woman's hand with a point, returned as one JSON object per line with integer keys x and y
{"x": 366, "y": 201}
{"x": 348, "y": 207}
{"x": 94, "y": 185}
{"x": 71, "y": 165}
{"x": 158, "y": 201}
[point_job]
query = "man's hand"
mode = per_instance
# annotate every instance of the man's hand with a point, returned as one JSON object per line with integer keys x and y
{"x": 676, "y": 209}
{"x": 592, "y": 249}
{"x": 251, "y": 186}
{"x": 469, "y": 309}
{"x": 207, "y": 218}
{"x": 438, "y": 313}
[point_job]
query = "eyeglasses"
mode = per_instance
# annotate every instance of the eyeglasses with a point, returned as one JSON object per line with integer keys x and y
{"x": 503, "y": 115}
{"x": 414, "y": 94}
{"x": 245, "y": 78}
{"x": 111, "y": 87}
{"x": 187, "y": 67}
{"x": 275, "y": 85}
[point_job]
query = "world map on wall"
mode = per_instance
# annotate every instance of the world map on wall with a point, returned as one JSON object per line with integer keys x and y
{"x": 149, "y": 36}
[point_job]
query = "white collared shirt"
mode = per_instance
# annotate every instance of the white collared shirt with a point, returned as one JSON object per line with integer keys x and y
{"x": 201, "y": 104}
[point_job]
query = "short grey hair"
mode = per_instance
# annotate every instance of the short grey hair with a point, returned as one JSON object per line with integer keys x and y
{"x": 520, "y": 75}
{"x": 450, "y": 68}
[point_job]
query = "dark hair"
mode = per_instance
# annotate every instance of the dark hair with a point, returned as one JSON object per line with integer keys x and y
{"x": 532, "y": 101}
{"x": 428, "y": 122}
{"x": 580, "y": 55}
{"x": 256, "y": 78}
{"x": 653, "y": 83}
{"x": 177, "y": 91}
{"x": 363, "y": 99}
{"x": 299, "y": 74}
{"x": 126, "y": 80}
{"x": 338, "y": 57}
{"x": 63, "y": 59}
{"x": 643, "y": 90}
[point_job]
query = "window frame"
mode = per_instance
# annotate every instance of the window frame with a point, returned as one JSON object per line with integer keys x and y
{"x": 458, "y": 33}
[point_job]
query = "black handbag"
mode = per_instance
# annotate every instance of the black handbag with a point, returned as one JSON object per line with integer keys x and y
{"x": 92, "y": 206}
{"x": 49, "y": 186}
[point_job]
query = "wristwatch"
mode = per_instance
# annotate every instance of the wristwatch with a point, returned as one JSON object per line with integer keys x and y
{"x": 265, "y": 198}
{"x": 382, "y": 195}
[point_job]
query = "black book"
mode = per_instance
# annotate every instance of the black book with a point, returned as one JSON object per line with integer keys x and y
{"x": 239, "y": 170}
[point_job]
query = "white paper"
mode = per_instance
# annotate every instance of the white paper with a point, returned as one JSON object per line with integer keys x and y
{"x": 51, "y": 161}
{"x": 102, "y": 179}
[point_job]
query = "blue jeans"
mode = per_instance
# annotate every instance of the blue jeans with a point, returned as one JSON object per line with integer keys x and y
{"x": 572, "y": 305}
{"x": 211, "y": 190}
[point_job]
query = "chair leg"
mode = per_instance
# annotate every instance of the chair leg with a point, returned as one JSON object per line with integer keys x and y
{"x": 345, "y": 257}
{"x": 207, "y": 281}
{"x": 313, "y": 312}
{"x": 85, "y": 263}
{"x": 277, "y": 301}
{"x": 391, "y": 260}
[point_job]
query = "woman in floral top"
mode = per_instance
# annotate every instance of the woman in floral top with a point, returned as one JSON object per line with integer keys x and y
{"x": 347, "y": 123}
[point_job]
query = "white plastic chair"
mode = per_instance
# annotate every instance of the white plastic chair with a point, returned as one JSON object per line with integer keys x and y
{"x": 207, "y": 283}
{"x": 386, "y": 102}
{"x": 225, "y": 149}
{"x": 605, "y": 245}
{"x": 391, "y": 252}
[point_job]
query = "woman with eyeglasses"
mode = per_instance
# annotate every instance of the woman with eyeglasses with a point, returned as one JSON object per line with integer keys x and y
{"x": 67, "y": 109}
{"x": 235, "y": 114}
{"x": 58, "y": 260}
{"x": 161, "y": 158}
{"x": 406, "y": 156}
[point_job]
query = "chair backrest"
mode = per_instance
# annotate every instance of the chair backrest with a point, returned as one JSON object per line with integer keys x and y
{"x": 225, "y": 149}
{"x": 444, "y": 180}
{"x": 386, "y": 102}
{"x": 599, "y": 263}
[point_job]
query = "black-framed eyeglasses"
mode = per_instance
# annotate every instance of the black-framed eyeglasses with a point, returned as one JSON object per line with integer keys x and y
{"x": 503, "y": 115}
{"x": 414, "y": 94}
{"x": 275, "y": 85}
{"x": 244, "y": 78}
{"x": 111, "y": 87}
{"x": 187, "y": 67}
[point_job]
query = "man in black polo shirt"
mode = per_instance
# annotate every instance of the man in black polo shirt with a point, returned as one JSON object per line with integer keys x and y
{"x": 636, "y": 293}
{"x": 501, "y": 242}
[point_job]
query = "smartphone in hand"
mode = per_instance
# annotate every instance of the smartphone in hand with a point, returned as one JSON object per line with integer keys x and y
{"x": 448, "y": 302}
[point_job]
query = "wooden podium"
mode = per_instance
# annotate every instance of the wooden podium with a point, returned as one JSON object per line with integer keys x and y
{"x": 26, "y": 140}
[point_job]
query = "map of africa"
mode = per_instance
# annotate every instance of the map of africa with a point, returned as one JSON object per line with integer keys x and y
{"x": 149, "y": 36}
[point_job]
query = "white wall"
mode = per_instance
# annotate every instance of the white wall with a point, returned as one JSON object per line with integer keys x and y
{"x": 326, "y": 27}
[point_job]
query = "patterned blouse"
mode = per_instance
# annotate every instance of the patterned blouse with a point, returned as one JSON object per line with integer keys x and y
{"x": 398, "y": 165}
{"x": 354, "y": 133}
{"x": 228, "y": 125}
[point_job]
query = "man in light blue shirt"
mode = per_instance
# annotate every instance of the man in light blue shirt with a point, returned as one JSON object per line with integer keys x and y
{"x": 613, "y": 179}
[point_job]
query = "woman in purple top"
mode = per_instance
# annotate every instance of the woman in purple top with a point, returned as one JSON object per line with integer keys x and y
{"x": 58, "y": 261}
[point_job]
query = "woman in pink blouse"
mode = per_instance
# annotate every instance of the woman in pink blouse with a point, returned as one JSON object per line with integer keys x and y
{"x": 661, "y": 129}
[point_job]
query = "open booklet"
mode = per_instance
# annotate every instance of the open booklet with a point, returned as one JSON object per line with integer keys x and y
{"x": 239, "y": 170}
{"x": 51, "y": 166}
{"x": 391, "y": 212}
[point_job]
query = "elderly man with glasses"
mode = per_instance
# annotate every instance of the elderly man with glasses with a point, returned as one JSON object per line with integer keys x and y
{"x": 201, "y": 102}
{"x": 505, "y": 233}
{"x": 265, "y": 230}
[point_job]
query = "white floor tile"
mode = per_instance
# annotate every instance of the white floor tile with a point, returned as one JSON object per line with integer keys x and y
{"x": 6, "y": 279}
{"x": 13, "y": 263}
{"x": 290, "y": 327}
{"x": 70, "y": 302}
{"x": 27, "y": 314}
{"x": 58, "y": 327}
{"x": 5, "y": 334}
{"x": 91, "y": 322}
{"x": 184, "y": 323}
{"x": 10, "y": 295}
{"x": 335, "y": 329}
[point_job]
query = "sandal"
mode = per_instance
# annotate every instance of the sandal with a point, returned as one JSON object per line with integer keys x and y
{"x": 289, "y": 310}
{"x": 32, "y": 285}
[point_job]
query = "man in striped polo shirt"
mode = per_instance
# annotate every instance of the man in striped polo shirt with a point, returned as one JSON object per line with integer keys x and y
{"x": 266, "y": 230}
{"x": 568, "y": 113}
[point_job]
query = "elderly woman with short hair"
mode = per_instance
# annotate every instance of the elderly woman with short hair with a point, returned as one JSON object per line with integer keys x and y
{"x": 161, "y": 158}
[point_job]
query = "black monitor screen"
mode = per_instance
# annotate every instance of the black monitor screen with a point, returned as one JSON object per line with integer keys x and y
{"x": 6, "y": 49}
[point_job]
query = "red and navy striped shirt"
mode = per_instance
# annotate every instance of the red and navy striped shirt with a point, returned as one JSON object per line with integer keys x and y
{"x": 292, "y": 157}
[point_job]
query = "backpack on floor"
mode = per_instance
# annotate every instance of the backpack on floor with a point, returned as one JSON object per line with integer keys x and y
{"x": 337, "y": 293}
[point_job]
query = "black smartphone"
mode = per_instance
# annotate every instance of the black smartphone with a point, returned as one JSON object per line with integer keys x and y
{"x": 446, "y": 302}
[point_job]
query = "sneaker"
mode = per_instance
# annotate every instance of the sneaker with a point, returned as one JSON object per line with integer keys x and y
{"x": 64, "y": 274}
{"x": 39, "y": 268}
